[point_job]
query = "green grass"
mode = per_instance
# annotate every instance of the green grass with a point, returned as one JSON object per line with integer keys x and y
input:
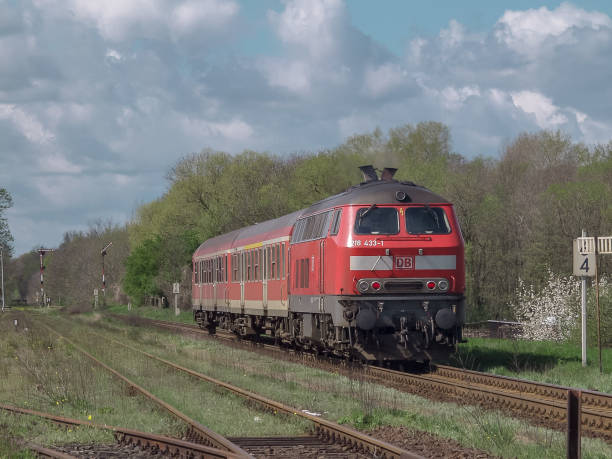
{"x": 222, "y": 412}
{"x": 542, "y": 361}
{"x": 150, "y": 312}
{"x": 349, "y": 400}
{"x": 41, "y": 373}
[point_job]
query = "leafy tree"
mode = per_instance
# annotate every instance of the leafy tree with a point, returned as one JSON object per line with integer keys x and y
{"x": 142, "y": 267}
{"x": 6, "y": 239}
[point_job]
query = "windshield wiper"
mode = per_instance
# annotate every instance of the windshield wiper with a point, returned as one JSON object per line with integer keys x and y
{"x": 367, "y": 211}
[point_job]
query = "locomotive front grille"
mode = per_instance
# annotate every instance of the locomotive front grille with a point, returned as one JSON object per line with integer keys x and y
{"x": 404, "y": 286}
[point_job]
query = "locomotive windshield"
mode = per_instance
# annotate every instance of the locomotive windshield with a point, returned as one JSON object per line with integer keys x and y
{"x": 426, "y": 220}
{"x": 377, "y": 220}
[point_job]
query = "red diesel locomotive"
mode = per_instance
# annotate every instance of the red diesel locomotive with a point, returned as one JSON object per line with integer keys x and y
{"x": 375, "y": 273}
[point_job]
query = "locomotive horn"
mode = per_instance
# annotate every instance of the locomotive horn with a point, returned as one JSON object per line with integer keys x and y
{"x": 388, "y": 173}
{"x": 369, "y": 173}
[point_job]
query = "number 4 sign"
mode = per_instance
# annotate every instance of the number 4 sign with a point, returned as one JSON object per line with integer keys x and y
{"x": 584, "y": 261}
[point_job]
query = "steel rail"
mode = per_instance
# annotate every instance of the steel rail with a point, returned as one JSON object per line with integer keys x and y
{"x": 526, "y": 398}
{"x": 327, "y": 430}
{"x": 534, "y": 399}
{"x": 41, "y": 451}
{"x": 198, "y": 432}
{"x": 173, "y": 446}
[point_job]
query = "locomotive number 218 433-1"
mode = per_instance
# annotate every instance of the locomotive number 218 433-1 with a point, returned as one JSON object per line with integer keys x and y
{"x": 367, "y": 243}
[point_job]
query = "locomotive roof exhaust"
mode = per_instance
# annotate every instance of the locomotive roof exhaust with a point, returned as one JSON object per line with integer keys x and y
{"x": 370, "y": 175}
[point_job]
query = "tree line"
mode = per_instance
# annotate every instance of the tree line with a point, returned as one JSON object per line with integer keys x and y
{"x": 519, "y": 211}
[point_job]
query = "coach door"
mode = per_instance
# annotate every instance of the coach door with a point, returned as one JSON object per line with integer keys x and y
{"x": 265, "y": 275}
{"x": 215, "y": 279}
{"x": 242, "y": 276}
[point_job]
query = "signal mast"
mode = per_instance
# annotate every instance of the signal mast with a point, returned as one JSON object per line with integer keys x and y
{"x": 103, "y": 253}
{"x": 42, "y": 251}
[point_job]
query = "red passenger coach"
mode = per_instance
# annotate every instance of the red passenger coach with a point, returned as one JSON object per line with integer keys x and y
{"x": 375, "y": 273}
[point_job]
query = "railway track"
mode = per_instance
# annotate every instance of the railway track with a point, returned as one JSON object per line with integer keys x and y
{"x": 330, "y": 439}
{"x": 125, "y": 437}
{"x": 540, "y": 402}
{"x": 196, "y": 433}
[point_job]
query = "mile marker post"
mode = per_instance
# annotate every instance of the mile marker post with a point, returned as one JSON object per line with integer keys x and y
{"x": 175, "y": 290}
{"x": 584, "y": 266}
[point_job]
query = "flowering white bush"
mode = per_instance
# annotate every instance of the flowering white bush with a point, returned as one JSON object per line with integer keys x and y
{"x": 550, "y": 313}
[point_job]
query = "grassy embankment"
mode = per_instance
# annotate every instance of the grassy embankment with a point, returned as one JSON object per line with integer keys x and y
{"x": 542, "y": 361}
{"x": 350, "y": 401}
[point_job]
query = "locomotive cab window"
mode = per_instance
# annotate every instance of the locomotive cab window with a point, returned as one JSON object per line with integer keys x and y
{"x": 376, "y": 220}
{"x": 426, "y": 220}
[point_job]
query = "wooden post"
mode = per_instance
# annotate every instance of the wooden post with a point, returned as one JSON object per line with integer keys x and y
{"x": 573, "y": 424}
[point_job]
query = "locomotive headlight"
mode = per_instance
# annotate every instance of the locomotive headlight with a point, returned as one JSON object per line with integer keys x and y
{"x": 376, "y": 285}
{"x": 443, "y": 285}
{"x": 363, "y": 286}
{"x": 431, "y": 285}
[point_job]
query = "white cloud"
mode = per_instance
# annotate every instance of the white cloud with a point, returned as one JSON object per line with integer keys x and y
{"x": 28, "y": 124}
{"x": 454, "y": 35}
{"x": 453, "y": 98}
{"x": 293, "y": 75}
{"x": 547, "y": 115}
{"x": 233, "y": 130}
{"x": 112, "y": 55}
{"x": 118, "y": 20}
{"x": 312, "y": 24}
{"x": 383, "y": 79}
{"x": 192, "y": 15}
{"x": 415, "y": 49}
{"x": 526, "y": 31}
{"x": 57, "y": 163}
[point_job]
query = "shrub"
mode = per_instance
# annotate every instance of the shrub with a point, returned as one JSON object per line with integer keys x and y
{"x": 550, "y": 313}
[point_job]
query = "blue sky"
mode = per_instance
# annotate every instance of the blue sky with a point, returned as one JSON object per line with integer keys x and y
{"x": 99, "y": 99}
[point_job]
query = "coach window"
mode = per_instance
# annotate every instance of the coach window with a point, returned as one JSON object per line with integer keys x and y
{"x": 235, "y": 267}
{"x": 283, "y": 259}
{"x": 376, "y": 220}
{"x": 241, "y": 266}
{"x": 335, "y": 227}
{"x": 257, "y": 264}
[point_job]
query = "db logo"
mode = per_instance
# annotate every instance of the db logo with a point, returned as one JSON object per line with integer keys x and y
{"x": 404, "y": 262}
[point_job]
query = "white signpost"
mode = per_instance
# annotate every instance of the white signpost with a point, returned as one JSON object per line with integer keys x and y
{"x": 586, "y": 250}
{"x": 176, "y": 290}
